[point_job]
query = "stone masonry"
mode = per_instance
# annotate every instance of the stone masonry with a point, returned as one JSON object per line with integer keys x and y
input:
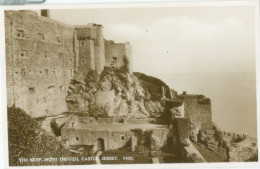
{"x": 43, "y": 54}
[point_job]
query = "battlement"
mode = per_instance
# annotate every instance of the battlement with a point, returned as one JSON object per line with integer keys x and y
{"x": 233, "y": 135}
{"x": 200, "y": 98}
{"x": 94, "y": 25}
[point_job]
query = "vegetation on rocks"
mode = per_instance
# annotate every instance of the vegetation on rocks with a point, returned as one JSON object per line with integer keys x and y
{"x": 117, "y": 91}
{"x": 56, "y": 129}
{"x": 27, "y": 140}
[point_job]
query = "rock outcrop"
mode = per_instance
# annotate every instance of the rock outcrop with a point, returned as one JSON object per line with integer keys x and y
{"x": 242, "y": 150}
{"x": 116, "y": 93}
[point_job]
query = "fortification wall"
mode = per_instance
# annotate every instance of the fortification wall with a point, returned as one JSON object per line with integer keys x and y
{"x": 106, "y": 120}
{"x": 115, "y": 53}
{"x": 40, "y": 61}
{"x": 160, "y": 136}
{"x": 112, "y": 139}
{"x": 86, "y": 56}
{"x": 99, "y": 48}
{"x": 41, "y": 57}
{"x": 198, "y": 109}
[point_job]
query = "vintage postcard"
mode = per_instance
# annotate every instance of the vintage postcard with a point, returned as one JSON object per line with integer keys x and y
{"x": 130, "y": 84}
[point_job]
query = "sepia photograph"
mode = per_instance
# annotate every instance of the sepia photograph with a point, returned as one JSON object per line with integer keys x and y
{"x": 132, "y": 85}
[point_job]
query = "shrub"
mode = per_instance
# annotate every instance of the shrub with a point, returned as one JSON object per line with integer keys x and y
{"x": 56, "y": 129}
{"x": 27, "y": 140}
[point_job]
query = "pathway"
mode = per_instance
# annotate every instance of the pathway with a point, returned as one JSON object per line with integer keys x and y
{"x": 98, "y": 157}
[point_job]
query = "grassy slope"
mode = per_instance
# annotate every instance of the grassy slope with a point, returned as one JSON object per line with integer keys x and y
{"x": 154, "y": 86}
{"x": 27, "y": 140}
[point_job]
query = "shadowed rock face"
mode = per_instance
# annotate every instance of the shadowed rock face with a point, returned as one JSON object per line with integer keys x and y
{"x": 117, "y": 93}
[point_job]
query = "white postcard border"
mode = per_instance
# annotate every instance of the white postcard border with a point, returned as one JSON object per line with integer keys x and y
{"x": 3, "y": 101}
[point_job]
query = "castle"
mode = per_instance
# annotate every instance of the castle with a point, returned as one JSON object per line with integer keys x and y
{"x": 43, "y": 54}
{"x": 44, "y": 59}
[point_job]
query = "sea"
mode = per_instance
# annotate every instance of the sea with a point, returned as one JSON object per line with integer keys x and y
{"x": 232, "y": 94}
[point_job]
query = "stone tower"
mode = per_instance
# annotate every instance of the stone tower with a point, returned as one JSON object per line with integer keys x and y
{"x": 91, "y": 48}
{"x": 99, "y": 46}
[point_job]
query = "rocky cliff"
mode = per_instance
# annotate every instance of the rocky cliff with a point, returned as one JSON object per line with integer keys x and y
{"x": 117, "y": 93}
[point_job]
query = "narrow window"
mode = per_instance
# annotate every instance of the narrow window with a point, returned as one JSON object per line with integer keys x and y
{"x": 61, "y": 88}
{"x": 23, "y": 72}
{"x": 46, "y": 54}
{"x": 70, "y": 62}
{"x": 31, "y": 89}
{"x": 20, "y": 33}
{"x": 23, "y": 54}
{"x": 41, "y": 36}
{"x": 58, "y": 39}
{"x": 46, "y": 72}
{"x": 122, "y": 138}
{"x": 60, "y": 55}
{"x": 77, "y": 138}
{"x": 114, "y": 59}
{"x": 51, "y": 89}
{"x": 72, "y": 124}
{"x": 82, "y": 43}
{"x": 83, "y": 60}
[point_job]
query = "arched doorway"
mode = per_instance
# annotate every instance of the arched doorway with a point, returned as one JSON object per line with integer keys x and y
{"x": 100, "y": 144}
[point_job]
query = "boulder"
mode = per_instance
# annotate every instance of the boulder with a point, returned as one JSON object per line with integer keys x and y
{"x": 151, "y": 106}
{"x": 121, "y": 108}
{"x": 106, "y": 83}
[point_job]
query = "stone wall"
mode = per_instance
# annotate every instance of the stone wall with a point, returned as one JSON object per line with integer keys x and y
{"x": 40, "y": 62}
{"x": 92, "y": 47}
{"x": 183, "y": 127}
{"x": 112, "y": 139}
{"x": 115, "y": 53}
{"x": 106, "y": 120}
{"x": 179, "y": 133}
{"x": 42, "y": 55}
{"x": 86, "y": 56}
{"x": 135, "y": 121}
{"x": 198, "y": 109}
{"x": 160, "y": 137}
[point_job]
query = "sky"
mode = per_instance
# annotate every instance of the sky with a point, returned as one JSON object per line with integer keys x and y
{"x": 203, "y": 50}
{"x": 177, "y": 39}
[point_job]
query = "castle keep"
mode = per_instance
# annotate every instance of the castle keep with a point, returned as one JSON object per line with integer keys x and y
{"x": 43, "y": 54}
{"x": 88, "y": 98}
